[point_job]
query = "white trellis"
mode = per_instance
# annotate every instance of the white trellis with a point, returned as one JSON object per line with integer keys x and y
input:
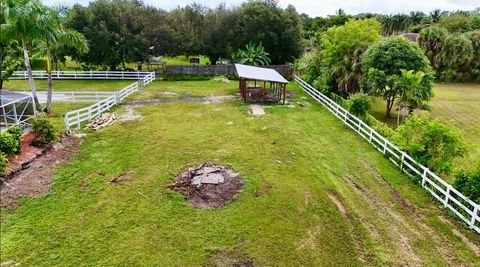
{"x": 15, "y": 109}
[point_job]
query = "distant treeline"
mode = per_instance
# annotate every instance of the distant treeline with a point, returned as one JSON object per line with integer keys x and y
{"x": 122, "y": 31}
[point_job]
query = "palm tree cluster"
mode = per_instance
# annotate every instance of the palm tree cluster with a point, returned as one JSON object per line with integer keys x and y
{"x": 36, "y": 29}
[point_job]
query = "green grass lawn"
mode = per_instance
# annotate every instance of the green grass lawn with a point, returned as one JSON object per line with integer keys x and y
{"x": 167, "y": 89}
{"x": 178, "y": 60}
{"x": 327, "y": 198}
{"x": 456, "y": 103}
{"x": 69, "y": 85}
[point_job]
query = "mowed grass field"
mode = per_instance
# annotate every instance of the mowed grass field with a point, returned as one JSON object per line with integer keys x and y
{"x": 459, "y": 104}
{"x": 68, "y": 85}
{"x": 454, "y": 103}
{"x": 315, "y": 195}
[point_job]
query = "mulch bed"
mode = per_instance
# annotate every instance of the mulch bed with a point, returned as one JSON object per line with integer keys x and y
{"x": 28, "y": 173}
{"x": 208, "y": 186}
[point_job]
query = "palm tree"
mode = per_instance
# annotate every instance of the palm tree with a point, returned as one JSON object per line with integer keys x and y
{"x": 28, "y": 19}
{"x": 253, "y": 55}
{"x": 54, "y": 37}
{"x": 435, "y": 16}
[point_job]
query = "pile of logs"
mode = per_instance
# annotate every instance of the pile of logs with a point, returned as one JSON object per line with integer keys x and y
{"x": 101, "y": 121}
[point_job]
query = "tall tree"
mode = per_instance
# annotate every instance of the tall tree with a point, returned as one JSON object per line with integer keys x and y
{"x": 385, "y": 60}
{"x": 54, "y": 36}
{"x": 342, "y": 48}
{"x": 431, "y": 40}
{"x": 29, "y": 19}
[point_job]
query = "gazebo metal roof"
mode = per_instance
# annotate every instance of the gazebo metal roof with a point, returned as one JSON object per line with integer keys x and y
{"x": 259, "y": 74}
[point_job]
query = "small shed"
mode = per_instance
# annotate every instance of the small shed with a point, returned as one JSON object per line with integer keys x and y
{"x": 261, "y": 84}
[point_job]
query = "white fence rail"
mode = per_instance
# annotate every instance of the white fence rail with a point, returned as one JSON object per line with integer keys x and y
{"x": 74, "y": 119}
{"x": 463, "y": 207}
{"x": 73, "y": 96}
{"x": 83, "y": 75}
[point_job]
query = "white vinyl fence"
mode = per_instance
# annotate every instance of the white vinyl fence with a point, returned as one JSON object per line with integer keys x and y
{"x": 83, "y": 75}
{"x": 74, "y": 119}
{"x": 73, "y": 96}
{"x": 463, "y": 207}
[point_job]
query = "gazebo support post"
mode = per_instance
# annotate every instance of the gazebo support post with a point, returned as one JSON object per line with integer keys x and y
{"x": 284, "y": 92}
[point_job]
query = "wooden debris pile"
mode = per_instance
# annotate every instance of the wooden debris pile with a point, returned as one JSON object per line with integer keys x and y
{"x": 101, "y": 121}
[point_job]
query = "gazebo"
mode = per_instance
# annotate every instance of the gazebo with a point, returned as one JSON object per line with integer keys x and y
{"x": 261, "y": 84}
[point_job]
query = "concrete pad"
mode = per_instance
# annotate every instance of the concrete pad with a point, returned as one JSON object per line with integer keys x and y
{"x": 257, "y": 110}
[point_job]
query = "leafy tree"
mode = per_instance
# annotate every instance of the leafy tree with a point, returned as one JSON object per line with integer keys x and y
{"x": 116, "y": 32}
{"x": 218, "y": 36}
{"x": 457, "y": 50}
{"x": 383, "y": 63}
{"x": 431, "y": 142}
{"x": 474, "y": 38}
{"x": 468, "y": 182}
{"x": 431, "y": 40}
{"x": 458, "y": 22}
{"x": 280, "y": 31}
{"x": 342, "y": 48}
{"x": 253, "y": 55}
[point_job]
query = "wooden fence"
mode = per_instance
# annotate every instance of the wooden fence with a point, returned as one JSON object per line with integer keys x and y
{"x": 285, "y": 70}
{"x": 452, "y": 199}
{"x": 74, "y": 119}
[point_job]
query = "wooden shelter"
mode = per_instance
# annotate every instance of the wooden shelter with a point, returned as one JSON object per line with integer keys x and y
{"x": 261, "y": 84}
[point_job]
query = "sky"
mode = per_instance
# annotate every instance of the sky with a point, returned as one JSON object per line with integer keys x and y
{"x": 323, "y": 7}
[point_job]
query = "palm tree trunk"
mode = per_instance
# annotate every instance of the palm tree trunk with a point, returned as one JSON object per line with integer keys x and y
{"x": 390, "y": 102}
{"x": 49, "y": 84}
{"x": 28, "y": 67}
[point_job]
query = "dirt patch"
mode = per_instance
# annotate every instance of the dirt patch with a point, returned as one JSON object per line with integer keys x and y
{"x": 307, "y": 197}
{"x": 339, "y": 204}
{"x": 264, "y": 190}
{"x": 130, "y": 115}
{"x": 34, "y": 178}
{"x": 204, "y": 99}
{"x": 398, "y": 198}
{"x": 122, "y": 178}
{"x": 208, "y": 186}
{"x": 234, "y": 258}
{"x": 473, "y": 247}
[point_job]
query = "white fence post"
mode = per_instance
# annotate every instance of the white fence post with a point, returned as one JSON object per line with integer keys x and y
{"x": 474, "y": 216}
{"x": 447, "y": 194}
{"x": 424, "y": 176}
{"x": 460, "y": 209}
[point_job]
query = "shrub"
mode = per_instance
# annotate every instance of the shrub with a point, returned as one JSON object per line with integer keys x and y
{"x": 468, "y": 182}
{"x": 431, "y": 142}
{"x": 381, "y": 127}
{"x": 360, "y": 105}
{"x": 17, "y": 133}
{"x": 43, "y": 127}
{"x": 8, "y": 144}
{"x": 3, "y": 164}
